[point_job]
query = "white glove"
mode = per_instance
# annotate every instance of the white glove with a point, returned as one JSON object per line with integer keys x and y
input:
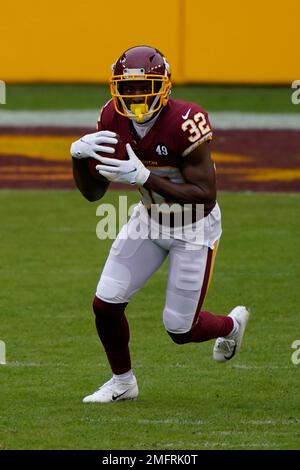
{"x": 89, "y": 144}
{"x": 124, "y": 171}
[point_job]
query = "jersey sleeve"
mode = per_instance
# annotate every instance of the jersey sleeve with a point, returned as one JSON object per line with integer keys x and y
{"x": 194, "y": 129}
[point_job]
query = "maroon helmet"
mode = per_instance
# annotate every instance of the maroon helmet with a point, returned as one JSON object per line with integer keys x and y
{"x": 140, "y": 83}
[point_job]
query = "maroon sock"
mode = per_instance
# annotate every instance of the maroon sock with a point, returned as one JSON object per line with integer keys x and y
{"x": 113, "y": 331}
{"x": 206, "y": 326}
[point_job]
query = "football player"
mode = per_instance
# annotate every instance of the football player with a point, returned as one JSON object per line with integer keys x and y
{"x": 168, "y": 147}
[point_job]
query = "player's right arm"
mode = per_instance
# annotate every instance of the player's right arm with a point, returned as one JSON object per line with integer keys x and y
{"x": 83, "y": 149}
{"x": 90, "y": 188}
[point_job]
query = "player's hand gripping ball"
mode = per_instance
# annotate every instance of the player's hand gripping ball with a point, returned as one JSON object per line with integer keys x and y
{"x": 120, "y": 153}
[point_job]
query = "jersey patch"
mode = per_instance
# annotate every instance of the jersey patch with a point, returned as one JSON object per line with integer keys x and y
{"x": 161, "y": 150}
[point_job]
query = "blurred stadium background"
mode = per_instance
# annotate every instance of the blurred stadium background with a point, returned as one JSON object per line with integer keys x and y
{"x": 238, "y": 62}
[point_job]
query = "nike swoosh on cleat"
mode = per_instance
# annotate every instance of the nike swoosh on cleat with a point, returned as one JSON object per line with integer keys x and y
{"x": 115, "y": 397}
{"x": 186, "y": 115}
{"x": 231, "y": 355}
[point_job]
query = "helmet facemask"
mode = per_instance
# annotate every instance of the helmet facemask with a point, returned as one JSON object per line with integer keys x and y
{"x": 138, "y": 95}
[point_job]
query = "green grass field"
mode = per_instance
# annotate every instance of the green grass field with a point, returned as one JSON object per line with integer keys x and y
{"x": 213, "y": 98}
{"x": 50, "y": 263}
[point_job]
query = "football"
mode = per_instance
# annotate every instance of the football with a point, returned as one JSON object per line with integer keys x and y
{"x": 120, "y": 153}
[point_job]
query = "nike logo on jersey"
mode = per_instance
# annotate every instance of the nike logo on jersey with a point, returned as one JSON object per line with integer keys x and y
{"x": 115, "y": 397}
{"x": 186, "y": 115}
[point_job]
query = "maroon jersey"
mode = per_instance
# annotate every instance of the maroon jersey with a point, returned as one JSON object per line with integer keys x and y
{"x": 180, "y": 127}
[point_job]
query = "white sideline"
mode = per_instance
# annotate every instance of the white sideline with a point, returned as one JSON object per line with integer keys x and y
{"x": 87, "y": 118}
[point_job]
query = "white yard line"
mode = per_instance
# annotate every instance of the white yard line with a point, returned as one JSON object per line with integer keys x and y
{"x": 23, "y": 364}
{"x": 236, "y": 120}
{"x": 271, "y": 422}
{"x": 201, "y": 423}
{"x": 254, "y": 367}
{"x": 88, "y": 118}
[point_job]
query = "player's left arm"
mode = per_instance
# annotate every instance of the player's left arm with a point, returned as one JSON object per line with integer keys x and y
{"x": 198, "y": 171}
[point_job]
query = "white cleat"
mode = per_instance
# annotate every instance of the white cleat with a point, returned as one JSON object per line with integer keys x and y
{"x": 226, "y": 348}
{"x": 114, "y": 391}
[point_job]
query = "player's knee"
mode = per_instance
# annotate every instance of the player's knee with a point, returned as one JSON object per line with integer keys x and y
{"x": 113, "y": 290}
{"x": 176, "y": 325}
{"x": 102, "y": 308}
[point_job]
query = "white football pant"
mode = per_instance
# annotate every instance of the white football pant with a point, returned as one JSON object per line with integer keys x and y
{"x": 131, "y": 262}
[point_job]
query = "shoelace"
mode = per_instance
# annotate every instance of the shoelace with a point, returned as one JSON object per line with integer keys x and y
{"x": 109, "y": 382}
{"x": 225, "y": 345}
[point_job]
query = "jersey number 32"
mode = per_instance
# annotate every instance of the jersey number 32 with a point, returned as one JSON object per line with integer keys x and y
{"x": 197, "y": 127}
